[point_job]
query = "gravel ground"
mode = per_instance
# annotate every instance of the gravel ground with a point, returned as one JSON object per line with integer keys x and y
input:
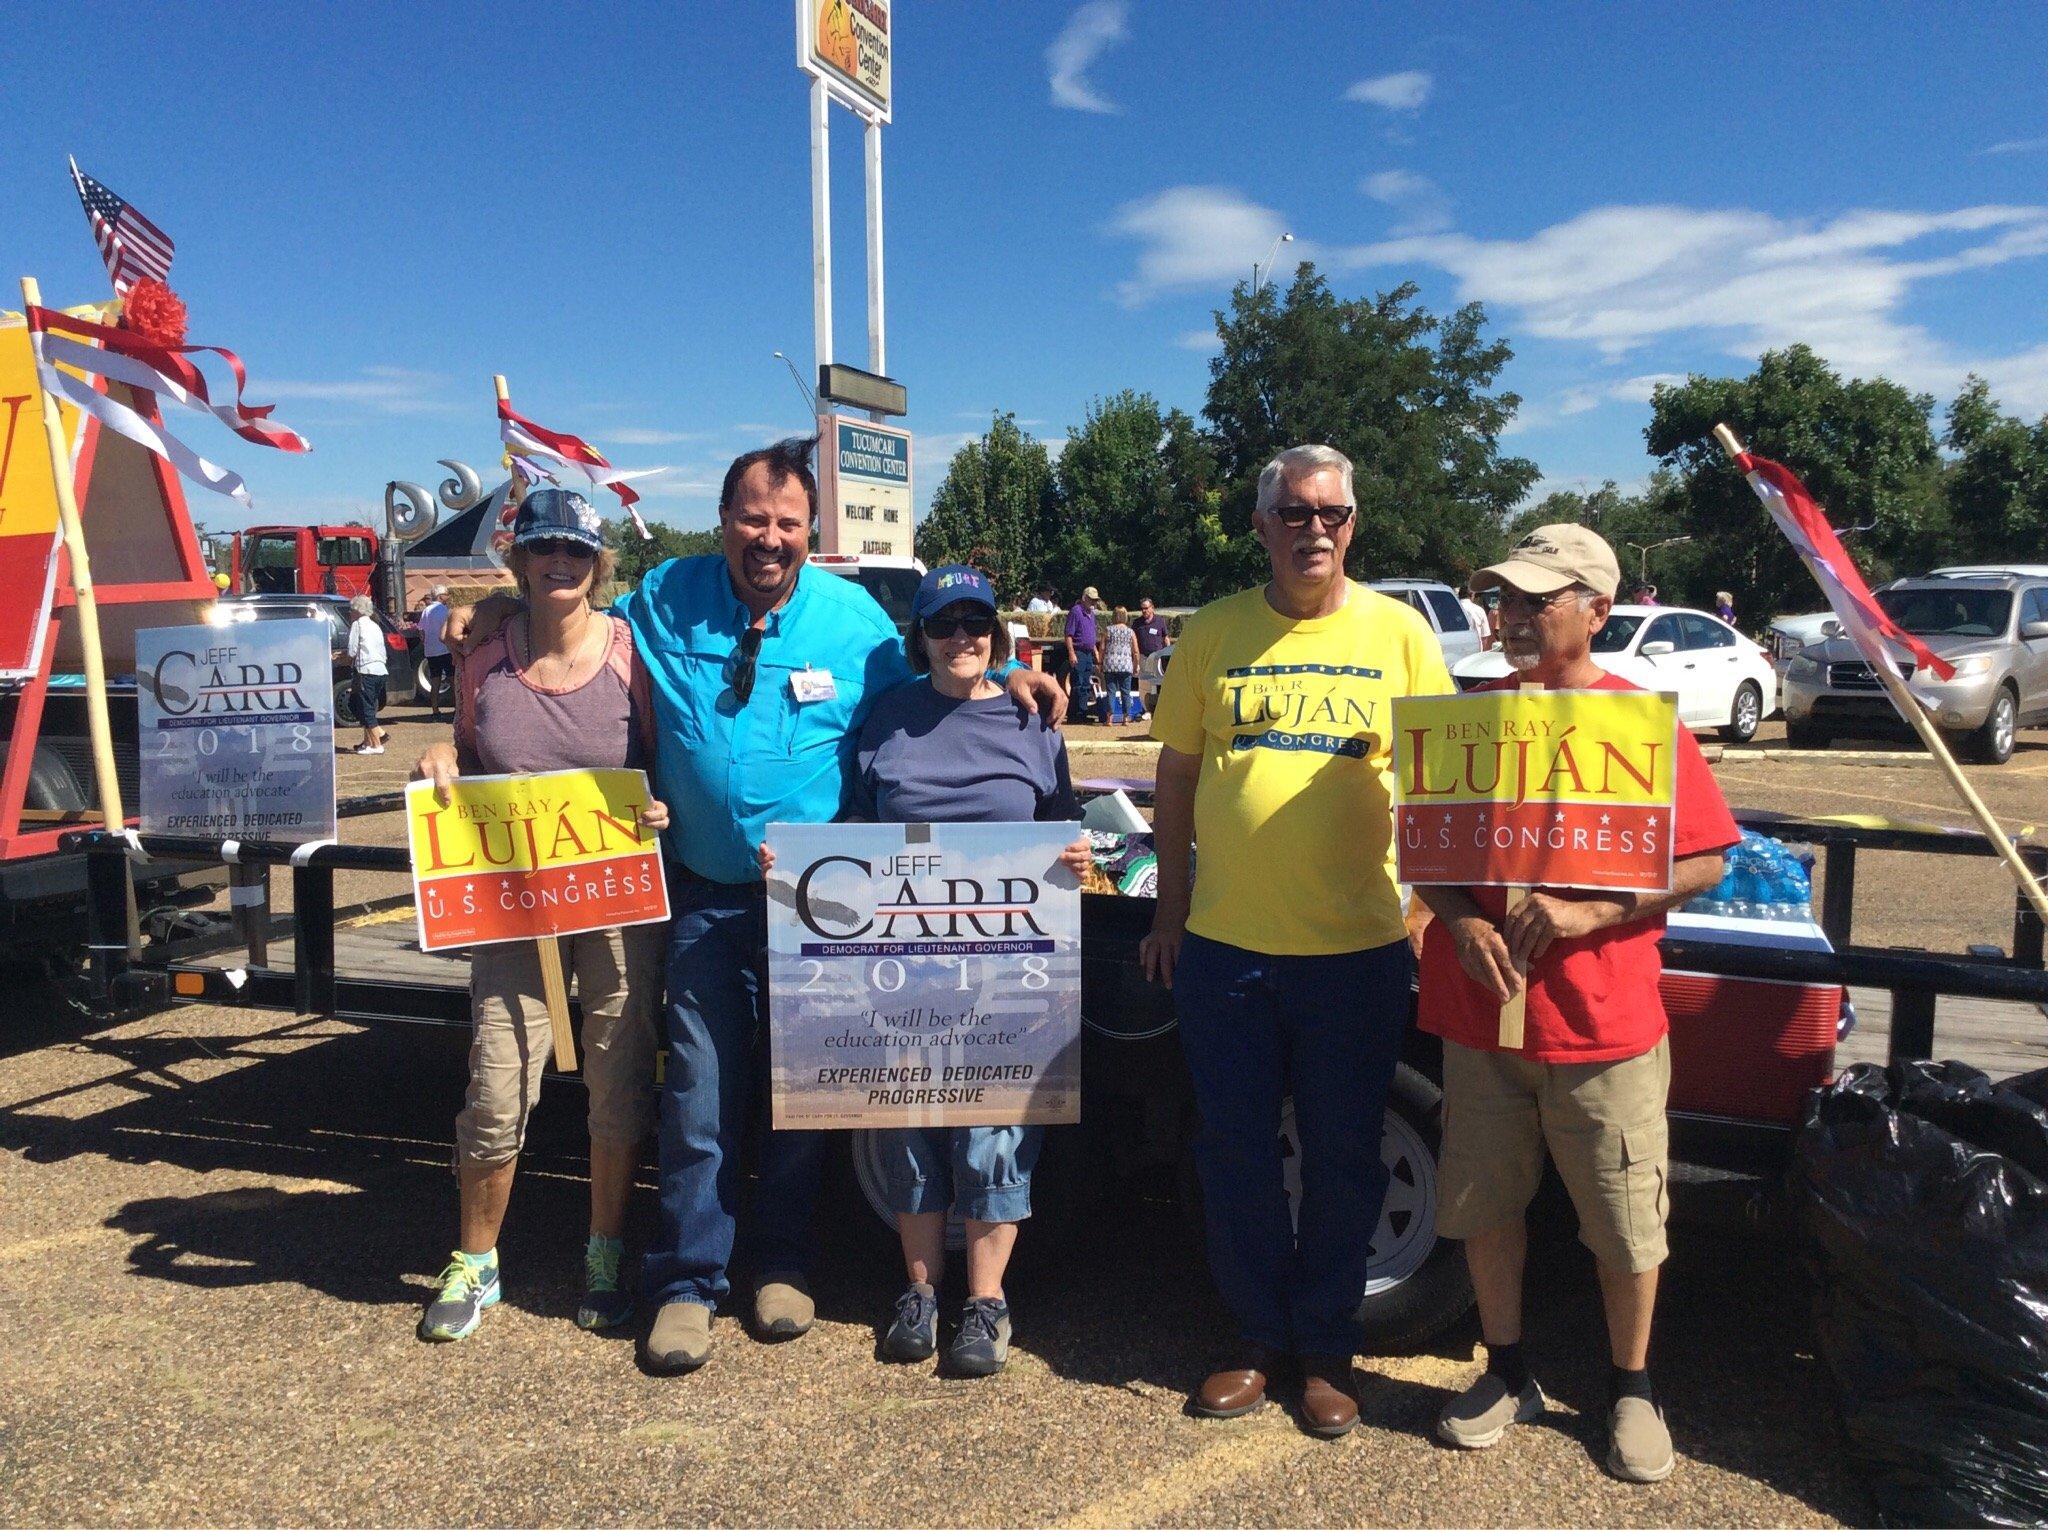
{"x": 216, "y": 1229}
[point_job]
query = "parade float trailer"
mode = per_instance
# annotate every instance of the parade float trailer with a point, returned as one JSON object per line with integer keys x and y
{"x": 1754, "y": 1008}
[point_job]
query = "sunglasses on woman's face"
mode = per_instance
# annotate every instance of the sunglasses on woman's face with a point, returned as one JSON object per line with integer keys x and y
{"x": 561, "y": 547}
{"x": 943, "y": 627}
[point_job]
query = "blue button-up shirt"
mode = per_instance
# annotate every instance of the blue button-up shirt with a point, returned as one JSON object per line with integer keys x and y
{"x": 726, "y": 769}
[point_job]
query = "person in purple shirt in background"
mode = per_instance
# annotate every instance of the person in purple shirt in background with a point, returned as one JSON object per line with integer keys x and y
{"x": 951, "y": 751}
{"x": 1084, "y": 648}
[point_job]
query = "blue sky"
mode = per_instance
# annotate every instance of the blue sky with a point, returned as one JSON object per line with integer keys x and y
{"x": 381, "y": 205}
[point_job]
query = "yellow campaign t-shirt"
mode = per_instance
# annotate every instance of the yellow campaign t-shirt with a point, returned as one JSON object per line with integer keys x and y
{"x": 1293, "y": 721}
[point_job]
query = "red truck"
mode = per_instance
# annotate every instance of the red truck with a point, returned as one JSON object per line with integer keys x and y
{"x": 303, "y": 560}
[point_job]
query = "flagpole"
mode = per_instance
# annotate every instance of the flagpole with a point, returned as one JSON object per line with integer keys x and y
{"x": 1909, "y": 707}
{"x": 554, "y": 985}
{"x": 97, "y": 717}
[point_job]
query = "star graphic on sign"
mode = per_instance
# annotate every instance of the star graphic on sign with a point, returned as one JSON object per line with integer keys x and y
{"x": 1603, "y": 820}
{"x": 1558, "y": 816}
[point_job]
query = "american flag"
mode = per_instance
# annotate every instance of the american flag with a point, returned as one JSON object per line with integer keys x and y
{"x": 132, "y": 246}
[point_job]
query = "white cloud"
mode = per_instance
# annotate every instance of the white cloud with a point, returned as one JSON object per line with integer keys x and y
{"x": 1198, "y": 339}
{"x": 1618, "y": 278}
{"x": 680, "y": 488}
{"x": 1403, "y": 92}
{"x": 2016, "y": 146}
{"x": 1194, "y": 236}
{"x": 385, "y": 390}
{"x": 1089, "y": 33}
{"x": 1638, "y": 390}
{"x": 1424, "y": 207}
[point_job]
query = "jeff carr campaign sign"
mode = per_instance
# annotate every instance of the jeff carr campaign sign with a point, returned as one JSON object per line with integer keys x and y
{"x": 237, "y": 730}
{"x": 924, "y": 975}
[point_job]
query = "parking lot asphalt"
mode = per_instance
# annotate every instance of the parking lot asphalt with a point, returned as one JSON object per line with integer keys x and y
{"x": 216, "y": 1228}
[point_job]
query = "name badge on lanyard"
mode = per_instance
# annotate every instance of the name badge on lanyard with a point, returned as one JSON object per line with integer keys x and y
{"x": 812, "y": 685}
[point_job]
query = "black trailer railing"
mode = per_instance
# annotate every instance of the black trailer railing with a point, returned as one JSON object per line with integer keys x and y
{"x": 1115, "y": 990}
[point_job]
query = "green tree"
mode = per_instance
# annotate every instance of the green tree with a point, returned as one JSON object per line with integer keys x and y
{"x": 638, "y": 554}
{"x": 1997, "y": 486}
{"x": 995, "y": 510}
{"x": 1863, "y": 447}
{"x": 1404, "y": 394}
{"x": 1136, "y": 503}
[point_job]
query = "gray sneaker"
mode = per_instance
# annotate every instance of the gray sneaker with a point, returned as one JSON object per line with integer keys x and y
{"x": 1641, "y": 1446}
{"x": 983, "y": 1342}
{"x": 1485, "y": 1412}
{"x": 915, "y": 1333}
{"x": 467, "y": 1291}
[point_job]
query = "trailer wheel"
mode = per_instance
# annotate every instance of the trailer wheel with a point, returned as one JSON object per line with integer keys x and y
{"x": 1416, "y": 1285}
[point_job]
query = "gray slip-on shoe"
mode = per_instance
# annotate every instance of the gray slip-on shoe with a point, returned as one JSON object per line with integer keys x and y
{"x": 1640, "y": 1448}
{"x": 782, "y": 1306}
{"x": 680, "y": 1339}
{"x": 1485, "y": 1411}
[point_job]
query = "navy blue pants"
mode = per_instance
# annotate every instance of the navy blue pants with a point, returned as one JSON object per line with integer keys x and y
{"x": 1326, "y": 1030}
{"x": 716, "y": 1064}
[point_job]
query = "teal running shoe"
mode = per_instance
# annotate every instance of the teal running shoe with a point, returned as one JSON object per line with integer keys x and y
{"x": 468, "y": 1287}
{"x": 606, "y": 1301}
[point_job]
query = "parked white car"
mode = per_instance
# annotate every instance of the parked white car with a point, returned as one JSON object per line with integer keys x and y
{"x": 1723, "y": 680}
{"x": 1441, "y": 608}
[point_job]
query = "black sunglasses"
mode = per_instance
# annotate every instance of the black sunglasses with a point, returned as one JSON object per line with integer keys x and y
{"x": 559, "y": 547}
{"x": 743, "y": 670}
{"x": 978, "y": 626}
{"x": 1294, "y": 517}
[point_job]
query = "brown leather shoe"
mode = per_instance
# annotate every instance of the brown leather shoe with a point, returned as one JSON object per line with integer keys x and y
{"x": 1329, "y": 1405}
{"x": 1236, "y": 1390}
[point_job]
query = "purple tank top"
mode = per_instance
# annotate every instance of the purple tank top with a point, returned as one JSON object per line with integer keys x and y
{"x": 507, "y": 725}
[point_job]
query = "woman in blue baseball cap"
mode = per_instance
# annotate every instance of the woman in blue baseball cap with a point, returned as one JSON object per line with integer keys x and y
{"x": 559, "y": 687}
{"x": 951, "y": 751}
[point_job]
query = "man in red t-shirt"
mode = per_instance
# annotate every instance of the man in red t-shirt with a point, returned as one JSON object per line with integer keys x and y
{"x": 1591, "y": 1078}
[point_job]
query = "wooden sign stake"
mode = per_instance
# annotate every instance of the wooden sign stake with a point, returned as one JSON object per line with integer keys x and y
{"x": 1516, "y": 1010}
{"x": 1909, "y": 708}
{"x": 554, "y": 985}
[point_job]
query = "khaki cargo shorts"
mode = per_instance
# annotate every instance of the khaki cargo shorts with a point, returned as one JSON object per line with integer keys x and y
{"x": 1605, "y": 1129}
{"x": 618, "y": 981}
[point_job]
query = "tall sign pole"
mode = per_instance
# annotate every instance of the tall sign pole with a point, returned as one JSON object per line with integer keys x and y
{"x": 863, "y": 466}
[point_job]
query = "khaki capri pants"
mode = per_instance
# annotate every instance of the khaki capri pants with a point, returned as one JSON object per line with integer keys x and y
{"x": 618, "y": 980}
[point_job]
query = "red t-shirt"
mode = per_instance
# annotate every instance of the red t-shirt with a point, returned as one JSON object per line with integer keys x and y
{"x": 1593, "y": 999}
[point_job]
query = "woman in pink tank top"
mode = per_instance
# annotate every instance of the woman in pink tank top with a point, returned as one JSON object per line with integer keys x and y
{"x": 558, "y": 688}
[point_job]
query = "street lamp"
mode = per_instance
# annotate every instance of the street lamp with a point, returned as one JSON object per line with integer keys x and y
{"x": 1643, "y": 565}
{"x": 796, "y": 377}
{"x": 1270, "y": 255}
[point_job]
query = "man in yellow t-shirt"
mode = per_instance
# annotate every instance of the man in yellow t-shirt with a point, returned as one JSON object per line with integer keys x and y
{"x": 1288, "y": 958}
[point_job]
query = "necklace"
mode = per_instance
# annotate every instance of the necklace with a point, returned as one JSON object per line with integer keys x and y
{"x": 556, "y": 672}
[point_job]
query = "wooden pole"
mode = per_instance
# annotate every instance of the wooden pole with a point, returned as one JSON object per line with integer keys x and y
{"x": 554, "y": 985}
{"x": 1909, "y": 707}
{"x": 97, "y": 716}
{"x": 1515, "y": 1012}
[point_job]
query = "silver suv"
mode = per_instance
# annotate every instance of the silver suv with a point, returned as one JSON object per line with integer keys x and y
{"x": 1992, "y": 628}
{"x": 1441, "y": 608}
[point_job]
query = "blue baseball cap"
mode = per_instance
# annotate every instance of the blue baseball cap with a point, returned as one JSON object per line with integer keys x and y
{"x": 556, "y": 513}
{"x": 949, "y": 584}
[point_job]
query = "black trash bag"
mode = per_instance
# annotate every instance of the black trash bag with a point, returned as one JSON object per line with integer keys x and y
{"x": 1920, "y": 1192}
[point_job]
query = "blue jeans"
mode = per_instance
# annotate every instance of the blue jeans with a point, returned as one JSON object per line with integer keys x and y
{"x": 1122, "y": 687}
{"x": 716, "y": 1067}
{"x": 1328, "y": 1031}
{"x": 982, "y": 1172}
{"x": 1084, "y": 686}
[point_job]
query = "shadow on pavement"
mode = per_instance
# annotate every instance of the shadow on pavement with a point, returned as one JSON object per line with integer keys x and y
{"x": 1117, "y": 1297}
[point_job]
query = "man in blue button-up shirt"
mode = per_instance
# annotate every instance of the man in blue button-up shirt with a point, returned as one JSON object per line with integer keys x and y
{"x": 763, "y": 671}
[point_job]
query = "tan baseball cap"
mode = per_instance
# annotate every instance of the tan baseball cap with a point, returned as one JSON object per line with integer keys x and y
{"x": 1551, "y": 557}
{"x": 1091, "y": 593}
